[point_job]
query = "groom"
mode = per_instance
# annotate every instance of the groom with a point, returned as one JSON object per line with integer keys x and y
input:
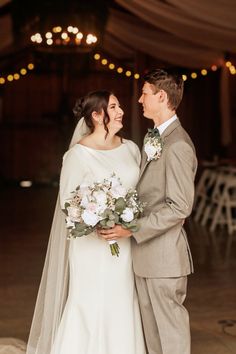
{"x": 161, "y": 254}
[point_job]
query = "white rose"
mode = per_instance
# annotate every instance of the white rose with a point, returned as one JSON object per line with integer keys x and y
{"x": 127, "y": 215}
{"x": 101, "y": 201}
{"x": 92, "y": 207}
{"x": 101, "y": 197}
{"x": 101, "y": 208}
{"x": 150, "y": 151}
{"x": 118, "y": 191}
{"x": 90, "y": 218}
{"x": 85, "y": 201}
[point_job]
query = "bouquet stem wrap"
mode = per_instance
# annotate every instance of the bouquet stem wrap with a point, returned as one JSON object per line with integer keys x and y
{"x": 114, "y": 247}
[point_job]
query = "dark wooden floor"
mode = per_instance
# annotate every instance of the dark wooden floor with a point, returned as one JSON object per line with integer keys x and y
{"x": 26, "y": 216}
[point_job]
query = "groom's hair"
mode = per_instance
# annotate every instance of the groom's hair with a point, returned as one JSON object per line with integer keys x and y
{"x": 170, "y": 82}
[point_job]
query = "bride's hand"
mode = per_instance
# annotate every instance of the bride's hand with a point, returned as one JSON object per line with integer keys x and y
{"x": 115, "y": 233}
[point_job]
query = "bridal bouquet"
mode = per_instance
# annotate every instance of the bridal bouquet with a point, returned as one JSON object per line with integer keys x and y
{"x": 102, "y": 204}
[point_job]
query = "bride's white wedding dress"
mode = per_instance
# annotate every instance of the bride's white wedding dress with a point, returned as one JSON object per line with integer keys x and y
{"x": 101, "y": 315}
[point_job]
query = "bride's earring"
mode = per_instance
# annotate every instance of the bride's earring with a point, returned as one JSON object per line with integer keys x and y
{"x": 100, "y": 122}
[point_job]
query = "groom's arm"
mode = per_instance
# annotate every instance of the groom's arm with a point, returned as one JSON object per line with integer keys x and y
{"x": 180, "y": 172}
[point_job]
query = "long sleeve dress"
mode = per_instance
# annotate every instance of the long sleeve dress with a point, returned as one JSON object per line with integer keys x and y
{"x": 101, "y": 315}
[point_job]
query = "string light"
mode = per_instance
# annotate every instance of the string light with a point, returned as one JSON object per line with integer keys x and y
{"x": 104, "y": 61}
{"x": 204, "y": 72}
{"x": 16, "y": 75}
{"x": 23, "y": 71}
{"x": 120, "y": 70}
{"x": 231, "y": 67}
{"x": 10, "y": 77}
{"x": 193, "y": 75}
{"x": 232, "y": 70}
{"x": 97, "y": 56}
{"x": 30, "y": 66}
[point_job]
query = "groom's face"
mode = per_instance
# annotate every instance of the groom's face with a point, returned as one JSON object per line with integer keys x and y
{"x": 149, "y": 101}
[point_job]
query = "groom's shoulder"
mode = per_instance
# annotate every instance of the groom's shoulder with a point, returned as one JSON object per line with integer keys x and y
{"x": 179, "y": 135}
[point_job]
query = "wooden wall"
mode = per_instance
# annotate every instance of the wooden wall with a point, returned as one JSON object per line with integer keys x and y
{"x": 37, "y": 121}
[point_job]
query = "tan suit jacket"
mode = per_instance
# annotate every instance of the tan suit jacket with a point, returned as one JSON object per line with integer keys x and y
{"x": 160, "y": 248}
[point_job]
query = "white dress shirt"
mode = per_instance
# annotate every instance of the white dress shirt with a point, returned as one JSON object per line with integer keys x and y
{"x": 164, "y": 125}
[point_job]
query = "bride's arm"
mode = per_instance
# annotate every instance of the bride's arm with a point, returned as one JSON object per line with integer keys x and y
{"x": 135, "y": 152}
{"x": 72, "y": 175}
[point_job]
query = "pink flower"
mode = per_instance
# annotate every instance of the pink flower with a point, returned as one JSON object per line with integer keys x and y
{"x": 91, "y": 207}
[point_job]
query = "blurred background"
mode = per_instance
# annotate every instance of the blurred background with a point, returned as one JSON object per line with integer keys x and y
{"x": 53, "y": 52}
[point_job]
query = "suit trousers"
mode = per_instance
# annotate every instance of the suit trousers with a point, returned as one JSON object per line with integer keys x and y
{"x": 165, "y": 319}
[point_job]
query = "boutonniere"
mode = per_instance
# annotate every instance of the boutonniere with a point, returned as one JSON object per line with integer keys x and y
{"x": 153, "y": 144}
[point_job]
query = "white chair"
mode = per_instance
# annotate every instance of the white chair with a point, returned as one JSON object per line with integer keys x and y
{"x": 213, "y": 209}
{"x": 230, "y": 203}
{"x": 203, "y": 192}
{"x": 223, "y": 201}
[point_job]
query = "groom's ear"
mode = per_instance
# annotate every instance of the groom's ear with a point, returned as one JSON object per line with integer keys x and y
{"x": 162, "y": 96}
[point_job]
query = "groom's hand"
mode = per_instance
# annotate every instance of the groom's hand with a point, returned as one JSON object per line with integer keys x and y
{"x": 115, "y": 233}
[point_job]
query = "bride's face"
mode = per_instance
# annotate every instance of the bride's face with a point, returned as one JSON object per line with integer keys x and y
{"x": 115, "y": 114}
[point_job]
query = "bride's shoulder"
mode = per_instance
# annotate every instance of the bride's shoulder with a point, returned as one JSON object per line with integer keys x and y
{"x": 73, "y": 152}
{"x": 131, "y": 144}
{"x": 133, "y": 149}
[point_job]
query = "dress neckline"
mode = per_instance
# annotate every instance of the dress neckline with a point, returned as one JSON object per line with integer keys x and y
{"x": 101, "y": 150}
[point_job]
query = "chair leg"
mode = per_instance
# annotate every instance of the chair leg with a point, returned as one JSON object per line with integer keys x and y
{"x": 229, "y": 219}
{"x": 199, "y": 209}
{"x": 216, "y": 217}
{"x": 206, "y": 215}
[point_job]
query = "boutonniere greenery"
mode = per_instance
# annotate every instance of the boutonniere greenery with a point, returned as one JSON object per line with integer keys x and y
{"x": 153, "y": 144}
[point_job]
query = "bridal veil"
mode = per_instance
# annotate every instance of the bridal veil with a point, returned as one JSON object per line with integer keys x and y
{"x": 53, "y": 288}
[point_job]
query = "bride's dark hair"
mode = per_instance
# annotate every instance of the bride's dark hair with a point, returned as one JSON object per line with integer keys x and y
{"x": 93, "y": 101}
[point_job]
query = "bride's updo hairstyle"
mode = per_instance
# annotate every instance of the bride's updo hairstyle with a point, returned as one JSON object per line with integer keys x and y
{"x": 93, "y": 101}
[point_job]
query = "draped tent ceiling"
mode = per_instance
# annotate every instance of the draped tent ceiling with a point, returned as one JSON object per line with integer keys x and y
{"x": 185, "y": 33}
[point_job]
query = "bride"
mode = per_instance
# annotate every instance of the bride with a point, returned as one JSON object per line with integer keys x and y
{"x": 87, "y": 302}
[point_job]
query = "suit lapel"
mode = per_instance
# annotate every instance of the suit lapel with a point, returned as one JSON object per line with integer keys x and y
{"x": 144, "y": 163}
{"x": 143, "y": 156}
{"x": 165, "y": 134}
{"x": 170, "y": 129}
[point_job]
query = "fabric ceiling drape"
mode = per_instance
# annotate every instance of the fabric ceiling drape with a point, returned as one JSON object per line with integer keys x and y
{"x": 159, "y": 44}
{"x": 216, "y": 12}
{"x": 116, "y": 47}
{"x": 180, "y": 24}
